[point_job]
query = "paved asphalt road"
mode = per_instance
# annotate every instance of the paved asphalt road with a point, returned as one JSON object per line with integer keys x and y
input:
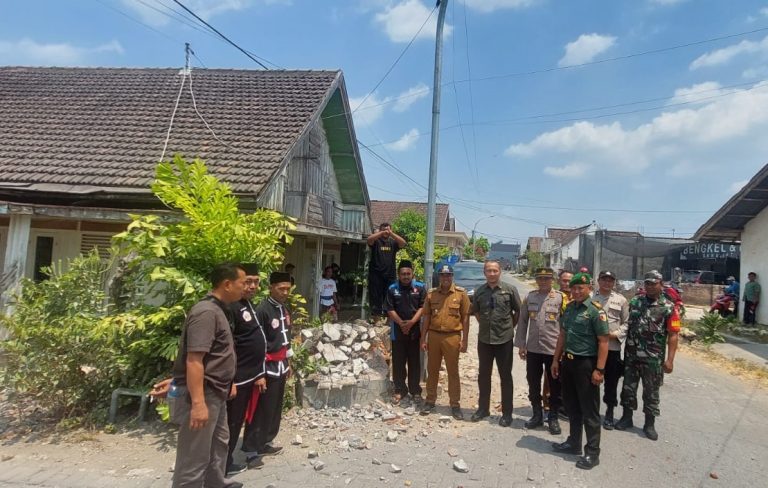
{"x": 712, "y": 431}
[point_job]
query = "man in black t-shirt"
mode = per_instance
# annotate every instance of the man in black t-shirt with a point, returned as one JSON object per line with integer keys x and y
{"x": 384, "y": 245}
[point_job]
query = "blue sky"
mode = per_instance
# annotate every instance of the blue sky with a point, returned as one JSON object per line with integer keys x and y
{"x": 681, "y": 129}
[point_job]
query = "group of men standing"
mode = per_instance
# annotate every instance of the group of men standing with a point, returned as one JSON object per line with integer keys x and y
{"x": 572, "y": 337}
{"x": 231, "y": 370}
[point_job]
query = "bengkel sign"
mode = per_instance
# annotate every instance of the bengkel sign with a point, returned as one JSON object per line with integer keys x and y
{"x": 711, "y": 250}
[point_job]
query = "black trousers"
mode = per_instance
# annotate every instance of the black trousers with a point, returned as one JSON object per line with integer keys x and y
{"x": 503, "y": 355}
{"x": 749, "y": 312}
{"x": 236, "y": 416}
{"x": 582, "y": 399}
{"x": 614, "y": 369}
{"x": 534, "y": 363}
{"x": 406, "y": 362}
{"x": 377, "y": 291}
{"x": 266, "y": 420}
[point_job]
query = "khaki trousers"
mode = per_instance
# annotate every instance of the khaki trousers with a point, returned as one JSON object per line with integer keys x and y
{"x": 201, "y": 455}
{"x": 443, "y": 345}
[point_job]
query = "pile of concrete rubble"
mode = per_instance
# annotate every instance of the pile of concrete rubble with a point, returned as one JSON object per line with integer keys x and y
{"x": 352, "y": 351}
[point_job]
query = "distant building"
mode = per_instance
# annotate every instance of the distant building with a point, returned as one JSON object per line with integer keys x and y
{"x": 745, "y": 218}
{"x": 445, "y": 225}
{"x": 505, "y": 253}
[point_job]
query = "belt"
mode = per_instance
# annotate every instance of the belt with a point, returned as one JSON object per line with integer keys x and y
{"x": 573, "y": 357}
{"x": 445, "y": 331}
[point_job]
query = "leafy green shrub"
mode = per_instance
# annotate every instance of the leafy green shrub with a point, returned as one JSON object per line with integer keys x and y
{"x": 52, "y": 353}
{"x": 709, "y": 328}
{"x": 412, "y": 226}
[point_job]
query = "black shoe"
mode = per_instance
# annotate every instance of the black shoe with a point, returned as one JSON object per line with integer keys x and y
{"x": 566, "y": 448}
{"x": 480, "y": 415}
{"x": 427, "y": 408}
{"x": 234, "y": 469}
{"x": 562, "y": 413}
{"x": 235, "y": 484}
{"x": 505, "y": 420}
{"x": 537, "y": 420}
{"x": 255, "y": 462}
{"x": 608, "y": 421}
{"x": 457, "y": 413}
{"x": 588, "y": 462}
{"x": 554, "y": 425}
{"x": 418, "y": 400}
{"x": 625, "y": 422}
{"x": 270, "y": 451}
{"x": 650, "y": 428}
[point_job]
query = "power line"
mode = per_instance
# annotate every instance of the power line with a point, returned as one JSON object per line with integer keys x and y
{"x": 252, "y": 57}
{"x": 397, "y": 60}
{"x": 471, "y": 96}
{"x": 576, "y": 209}
{"x": 619, "y": 58}
{"x": 755, "y": 84}
{"x": 390, "y": 165}
{"x": 133, "y": 19}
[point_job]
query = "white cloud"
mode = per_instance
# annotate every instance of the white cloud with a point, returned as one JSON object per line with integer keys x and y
{"x": 403, "y": 20}
{"x": 586, "y": 48}
{"x": 755, "y": 72}
{"x": 486, "y": 6}
{"x": 737, "y": 185}
{"x": 700, "y": 91}
{"x": 726, "y": 54}
{"x": 573, "y": 170}
{"x": 410, "y": 96}
{"x": 678, "y": 140}
{"x": 32, "y": 53}
{"x": 407, "y": 141}
{"x": 204, "y": 8}
{"x": 370, "y": 111}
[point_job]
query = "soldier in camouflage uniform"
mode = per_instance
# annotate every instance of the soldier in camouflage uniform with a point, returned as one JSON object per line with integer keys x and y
{"x": 651, "y": 344}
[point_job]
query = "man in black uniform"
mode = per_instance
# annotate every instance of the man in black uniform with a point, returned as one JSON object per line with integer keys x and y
{"x": 384, "y": 245}
{"x": 404, "y": 303}
{"x": 583, "y": 347}
{"x": 250, "y": 348}
{"x": 275, "y": 320}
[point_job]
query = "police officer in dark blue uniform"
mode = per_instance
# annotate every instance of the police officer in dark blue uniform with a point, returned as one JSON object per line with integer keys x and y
{"x": 404, "y": 305}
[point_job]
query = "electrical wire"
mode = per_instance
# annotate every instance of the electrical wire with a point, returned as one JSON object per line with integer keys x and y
{"x": 173, "y": 116}
{"x": 471, "y": 95}
{"x": 397, "y": 60}
{"x": 133, "y": 19}
{"x": 251, "y": 56}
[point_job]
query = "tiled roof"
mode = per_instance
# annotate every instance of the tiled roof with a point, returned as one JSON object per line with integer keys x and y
{"x": 563, "y": 236}
{"x": 387, "y": 211}
{"x": 106, "y": 127}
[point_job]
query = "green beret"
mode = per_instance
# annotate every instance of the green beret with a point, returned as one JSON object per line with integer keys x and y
{"x": 581, "y": 279}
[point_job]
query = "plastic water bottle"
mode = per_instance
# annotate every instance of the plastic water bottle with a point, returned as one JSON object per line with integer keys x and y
{"x": 173, "y": 391}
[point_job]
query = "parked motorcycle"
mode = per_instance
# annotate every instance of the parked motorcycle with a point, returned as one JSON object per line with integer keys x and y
{"x": 725, "y": 304}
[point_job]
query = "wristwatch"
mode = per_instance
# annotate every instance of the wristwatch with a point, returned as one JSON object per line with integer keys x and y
{"x": 600, "y": 370}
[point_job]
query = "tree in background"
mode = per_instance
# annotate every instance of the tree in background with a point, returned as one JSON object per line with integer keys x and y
{"x": 412, "y": 226}
{"x": 477, "y": 248}
{"x": 535, "y": 261}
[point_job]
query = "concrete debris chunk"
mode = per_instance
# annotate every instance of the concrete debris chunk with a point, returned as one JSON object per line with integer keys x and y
{"x": 460, "y": 466}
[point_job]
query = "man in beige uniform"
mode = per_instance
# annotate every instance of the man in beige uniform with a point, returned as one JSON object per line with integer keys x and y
{"x": 444, "y": 334}
{"x": 617, "y": 309}
{"x": 537, "y": 331}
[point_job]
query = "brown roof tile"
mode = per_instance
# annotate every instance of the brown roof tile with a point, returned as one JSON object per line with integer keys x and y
{"x": 388, "y": 210}
{"x": 106, "y": 127}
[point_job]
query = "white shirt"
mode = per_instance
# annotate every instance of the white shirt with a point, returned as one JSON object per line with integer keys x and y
{"x": 327, "y": 289}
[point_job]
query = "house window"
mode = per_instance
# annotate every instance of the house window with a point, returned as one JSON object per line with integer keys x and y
{"x": 43, "y": 257}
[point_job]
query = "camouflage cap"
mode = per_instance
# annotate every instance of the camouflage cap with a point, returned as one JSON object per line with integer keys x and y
{"x": 653, "y": 276}
{"x": 580, "y": 279}
{"x": 544, "y": 273}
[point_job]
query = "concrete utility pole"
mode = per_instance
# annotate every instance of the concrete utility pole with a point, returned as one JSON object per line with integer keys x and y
{"x": 429, "y": 259}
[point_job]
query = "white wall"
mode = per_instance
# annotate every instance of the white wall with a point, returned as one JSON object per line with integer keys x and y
{"x": 754, "y": 257}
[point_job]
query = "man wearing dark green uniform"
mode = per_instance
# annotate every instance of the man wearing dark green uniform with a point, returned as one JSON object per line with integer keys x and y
{"x": 583, "y": 347}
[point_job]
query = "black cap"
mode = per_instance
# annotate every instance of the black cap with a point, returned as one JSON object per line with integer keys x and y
{"x": 404, "y": 264}
{"x": 445, "y": 269}
{"x": 279, "y": 277}
{"x": 606, "y": 274}
{"x": 251, "y": 269}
